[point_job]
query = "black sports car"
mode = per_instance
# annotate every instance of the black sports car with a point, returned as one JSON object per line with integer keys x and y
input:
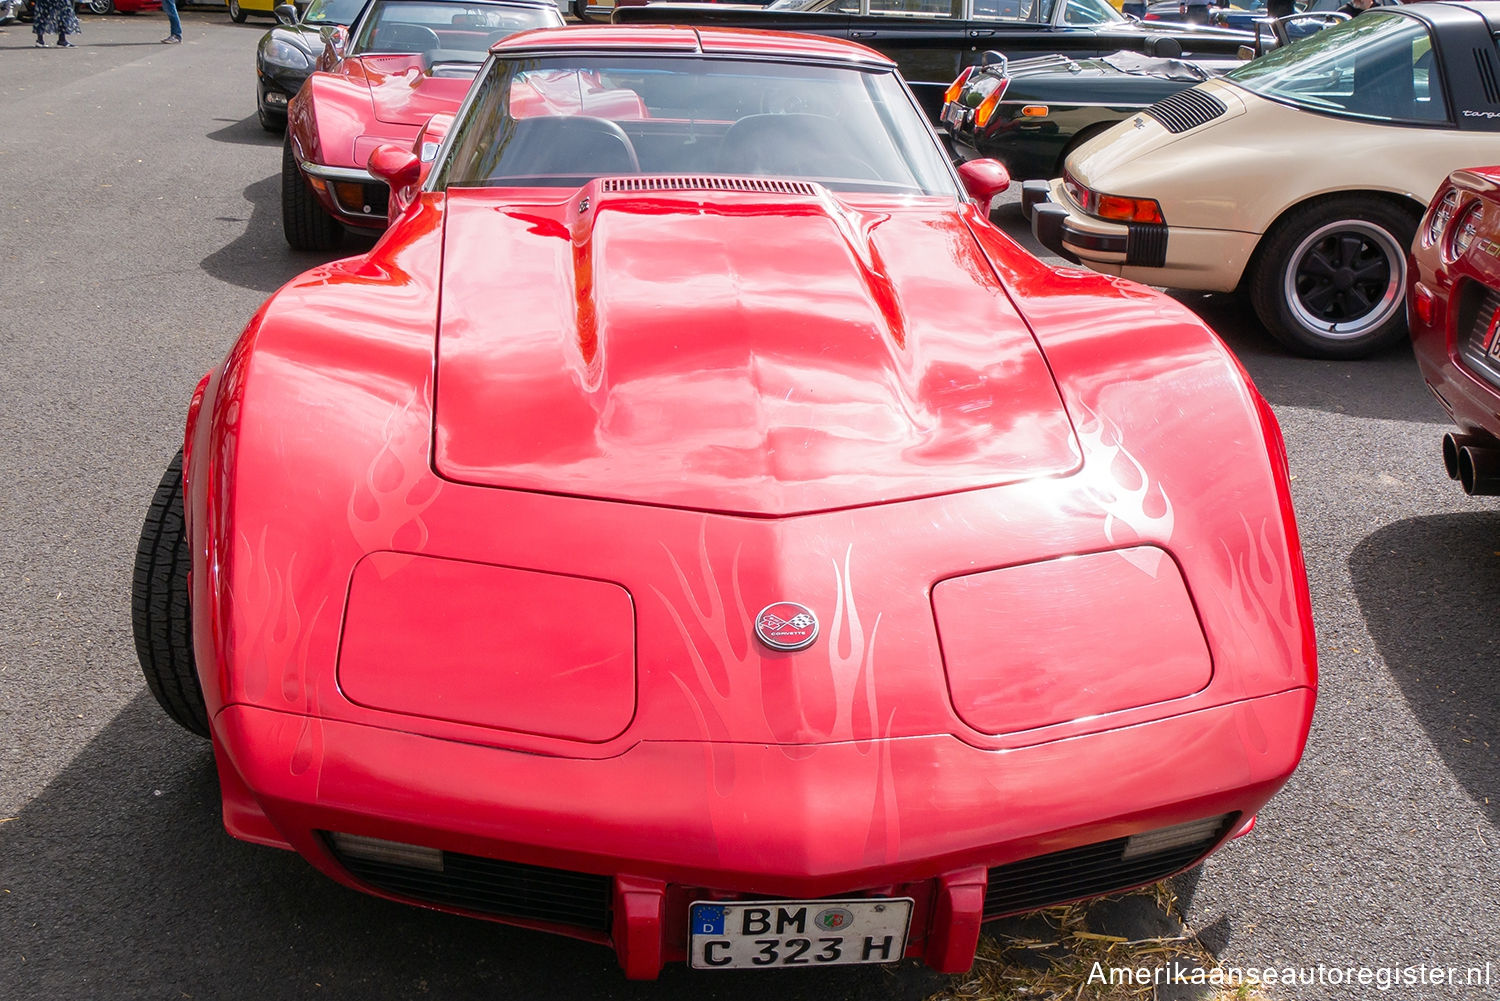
{"x": 1030, "y": 113}
{"x": 288, "y": 53}
{"x": 932, "y": 40}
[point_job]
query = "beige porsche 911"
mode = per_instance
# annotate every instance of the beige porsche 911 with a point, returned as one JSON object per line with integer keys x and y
{"x": 1298, "y": 177}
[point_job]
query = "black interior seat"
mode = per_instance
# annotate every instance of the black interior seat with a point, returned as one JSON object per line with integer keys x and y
{"x": 791, "y": 146}
{"x": 570, "y": 145}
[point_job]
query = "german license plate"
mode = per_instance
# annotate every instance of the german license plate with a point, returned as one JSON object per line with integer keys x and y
{"x": 745, "y": 934}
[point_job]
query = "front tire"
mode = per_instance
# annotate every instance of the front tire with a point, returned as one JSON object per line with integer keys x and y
{"x": 101, "y": 6}
{"x": 161, "y": 617}
{"x": 236, "y": 12}
{"x": 307, "y": 225}
{"x": 1329, "y": 280}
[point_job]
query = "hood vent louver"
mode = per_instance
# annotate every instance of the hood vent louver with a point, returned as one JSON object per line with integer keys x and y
{"x": 1186, "y": 109}
{"x": 692, "y": 182}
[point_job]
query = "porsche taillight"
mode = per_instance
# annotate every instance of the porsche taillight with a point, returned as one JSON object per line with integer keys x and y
{"x": 1122, "y": 209}
{"x": 956, "y": 88}
{"x": 1116, "y": 208}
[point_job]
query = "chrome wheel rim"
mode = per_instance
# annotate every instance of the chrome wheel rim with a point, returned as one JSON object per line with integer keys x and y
{"x": 1345, "y": 279}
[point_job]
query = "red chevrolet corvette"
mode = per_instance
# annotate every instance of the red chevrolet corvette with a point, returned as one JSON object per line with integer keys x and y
{"x": 398, "y": 64}
{"x": 695, "y": 529}
{"x": 1453, "y": 311}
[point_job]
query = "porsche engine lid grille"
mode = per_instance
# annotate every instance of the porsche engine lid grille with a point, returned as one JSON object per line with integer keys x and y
{"x": 691, "y": 182}
{"x": 1186, "y": 109}
{"x": 490, "y": 886}
{"x": 1088, "y": 871}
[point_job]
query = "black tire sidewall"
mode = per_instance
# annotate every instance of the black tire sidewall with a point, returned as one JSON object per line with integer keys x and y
{"x": 1275, "y": 256}
{"x": 304, "y": 221}
{"x": 161, "y": 612}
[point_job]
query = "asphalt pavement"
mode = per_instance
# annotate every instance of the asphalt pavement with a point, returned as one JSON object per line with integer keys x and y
{"x": 140, "y": 231}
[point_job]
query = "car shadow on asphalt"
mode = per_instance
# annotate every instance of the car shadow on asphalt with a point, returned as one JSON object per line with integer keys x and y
{"x": 245, "y": 131}
{"x": 259, "y": 258}
{"x": 1429, "y": 589}
{"x": 119, "y": 875}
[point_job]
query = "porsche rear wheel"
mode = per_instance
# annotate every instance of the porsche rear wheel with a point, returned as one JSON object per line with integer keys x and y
{"x": 237, "y": 12}
{"x": 159, "y": 612}
{"x": 1329, "y": 280}
{"x": 307, "y": 225}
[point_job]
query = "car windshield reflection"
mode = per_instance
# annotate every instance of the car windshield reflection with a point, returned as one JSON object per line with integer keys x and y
{"x": 564, "y": 121}
{"x": 1375, "y": 66}
{"x": 446, "y": 32}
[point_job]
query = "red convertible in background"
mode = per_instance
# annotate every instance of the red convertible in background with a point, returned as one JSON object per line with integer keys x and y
{"x": 398, "y": 64}
{"x": 694, "y": 528}
{"x": 1453, "y": 311}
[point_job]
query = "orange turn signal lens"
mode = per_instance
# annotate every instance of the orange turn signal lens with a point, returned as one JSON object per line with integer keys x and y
{"x": 1034, "y": 111}
{"x": 957, "y": 86}
{"x": 987, "y": 108}
{"x": 350, "y": 194}
{"x": 1128, "y": 209}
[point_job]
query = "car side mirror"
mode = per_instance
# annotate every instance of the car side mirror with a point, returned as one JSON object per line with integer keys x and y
{"x": 984, "y": 179}
{"x": 336, "y": 38}
{"x": 285, "y": 14}
{"x": 396, "y": 166}
{"x": 401, "y": 171}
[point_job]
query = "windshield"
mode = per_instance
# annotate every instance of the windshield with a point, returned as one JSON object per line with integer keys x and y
{"x": 565, "y": 120}
{"x": 446, "y": 32}
{"x": 332, "y": 11}
{"x": 1376, "y": 66}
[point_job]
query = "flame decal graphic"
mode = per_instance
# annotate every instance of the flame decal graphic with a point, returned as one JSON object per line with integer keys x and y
{"x": 734, "y": 705}
{"x": 1136, "y": 508}
{"x": 272, "y": 631}
{"x": 385, "y": 508}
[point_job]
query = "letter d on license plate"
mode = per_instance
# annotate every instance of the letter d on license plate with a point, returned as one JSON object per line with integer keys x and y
{"x": 745, "y": 934}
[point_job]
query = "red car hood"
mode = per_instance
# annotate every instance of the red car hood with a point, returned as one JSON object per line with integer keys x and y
{"x": 404, "y": 94}
{"x": 764, "y": 354}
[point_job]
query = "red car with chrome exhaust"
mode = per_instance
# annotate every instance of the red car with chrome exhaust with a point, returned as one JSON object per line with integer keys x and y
{"x": 1453, "y": 310}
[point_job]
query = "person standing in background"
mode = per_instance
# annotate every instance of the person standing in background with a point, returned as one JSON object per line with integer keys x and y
{"x": 54, "y": 15}
{"x": 173, "y": 22}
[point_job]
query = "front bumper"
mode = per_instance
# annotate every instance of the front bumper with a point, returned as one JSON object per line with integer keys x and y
{"x": 277, "y": 85}
{"x": 970, "y": 834}
{"x": 353, "y": 195}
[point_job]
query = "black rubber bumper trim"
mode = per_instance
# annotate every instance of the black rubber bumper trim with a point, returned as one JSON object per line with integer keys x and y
{"x": 1034, "y": 193}
{"x": 1146, "y": 245}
